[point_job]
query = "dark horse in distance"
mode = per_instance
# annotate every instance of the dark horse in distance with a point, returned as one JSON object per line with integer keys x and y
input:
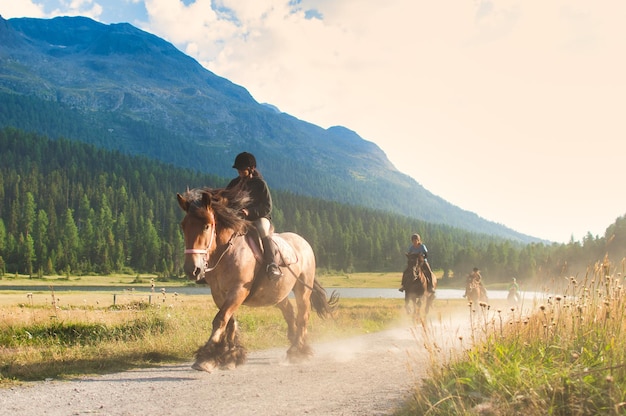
{"x": 416, "y": 286}
{"x": 222, "y": 249}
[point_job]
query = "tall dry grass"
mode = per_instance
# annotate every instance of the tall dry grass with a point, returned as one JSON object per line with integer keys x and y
{"x": 567, "y": 356}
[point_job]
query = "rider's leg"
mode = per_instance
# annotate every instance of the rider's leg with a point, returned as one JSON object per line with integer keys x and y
{"x": 404, "y": 281}
{"x": 263, "y": 225}
{"x": 429, "y": 277}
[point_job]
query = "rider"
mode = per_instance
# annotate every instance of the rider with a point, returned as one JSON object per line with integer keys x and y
{"x": 417, "y": 247}
{"x": 260, "y": 207}
{"x": 514, "y": 289}
{"x": 474, "y": 276}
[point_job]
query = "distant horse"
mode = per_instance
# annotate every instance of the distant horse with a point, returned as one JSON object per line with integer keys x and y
{"x": 222, "y": 249}
{"x": 513, "y": 298}
{"x": 476, "y": 292}
{"x": 416, "y": 285}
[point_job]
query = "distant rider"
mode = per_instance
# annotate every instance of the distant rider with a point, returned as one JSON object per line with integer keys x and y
{"x": 514, "y": 291}
{"x": 417, "y": 247}
{"x": 474, "y": 278}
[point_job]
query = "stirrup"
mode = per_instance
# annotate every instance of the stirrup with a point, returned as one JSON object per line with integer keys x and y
{"x": 273, "y": 271}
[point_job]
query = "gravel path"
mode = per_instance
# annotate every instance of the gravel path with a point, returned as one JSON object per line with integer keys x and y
{"x": 364, "y": 375}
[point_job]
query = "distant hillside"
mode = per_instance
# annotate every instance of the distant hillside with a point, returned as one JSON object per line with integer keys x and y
{"x": 120, "y": 88}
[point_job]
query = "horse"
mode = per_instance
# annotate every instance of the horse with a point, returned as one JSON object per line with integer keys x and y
{"x": 513, "y": 298}
{"x": 223, "y": 250}
{"x": 476, "y": 292}
{"x": 416, "y": 285}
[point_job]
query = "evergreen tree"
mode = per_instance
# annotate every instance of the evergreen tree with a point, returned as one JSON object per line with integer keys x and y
{"x": 40, "y": 237}
{"x": 69, "y": 244}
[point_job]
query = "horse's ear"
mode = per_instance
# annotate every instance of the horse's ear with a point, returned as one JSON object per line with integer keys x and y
{"x": 182, "y": 202}
{"x": 206, "y": 199}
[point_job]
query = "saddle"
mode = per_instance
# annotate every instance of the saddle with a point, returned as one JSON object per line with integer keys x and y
{"x": 284, "y": 256}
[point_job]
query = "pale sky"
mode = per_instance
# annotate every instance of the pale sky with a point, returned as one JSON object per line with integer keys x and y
{"x": 509, "y": 109}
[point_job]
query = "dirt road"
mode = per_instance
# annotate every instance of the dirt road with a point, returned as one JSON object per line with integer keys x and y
{"x": 365, "y": 375}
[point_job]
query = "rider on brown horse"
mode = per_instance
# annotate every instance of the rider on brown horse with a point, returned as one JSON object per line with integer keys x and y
{"x": 474, "y": 278}
{"x": 417, "y": 247}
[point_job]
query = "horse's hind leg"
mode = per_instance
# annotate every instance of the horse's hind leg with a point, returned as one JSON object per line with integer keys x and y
{"x": 429, "y": 302}
{"x": 289, "y": 314}
{"x": 300, "y": 348}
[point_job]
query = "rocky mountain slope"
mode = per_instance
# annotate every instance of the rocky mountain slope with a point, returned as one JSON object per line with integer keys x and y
{"x": 121, "y": 88}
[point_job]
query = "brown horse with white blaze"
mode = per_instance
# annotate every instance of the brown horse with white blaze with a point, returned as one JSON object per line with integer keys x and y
{"x": 220, "y": 250}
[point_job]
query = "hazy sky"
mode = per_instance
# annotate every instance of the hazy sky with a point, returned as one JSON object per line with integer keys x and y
{"x": 509, "y": 109}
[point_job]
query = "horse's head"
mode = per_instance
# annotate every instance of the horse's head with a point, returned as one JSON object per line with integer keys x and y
{"x": 199, "y": 232}
{"x": 414, "y": 259}
{"x": 212, "y": 216}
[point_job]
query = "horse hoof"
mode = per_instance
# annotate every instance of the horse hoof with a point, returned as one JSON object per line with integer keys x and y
{"x": 229, "y": 366}
{"x": 207, "y": 366}
{"x": 297, "y": 355}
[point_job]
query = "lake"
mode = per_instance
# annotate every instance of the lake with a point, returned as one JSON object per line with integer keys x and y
{"x": 344, "y": 292}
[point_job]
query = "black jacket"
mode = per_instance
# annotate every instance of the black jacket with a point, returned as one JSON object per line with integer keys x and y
{"x": 260, "y": 199}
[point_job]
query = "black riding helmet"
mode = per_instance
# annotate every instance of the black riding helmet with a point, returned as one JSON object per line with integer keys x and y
{"x": 244, "y": 160}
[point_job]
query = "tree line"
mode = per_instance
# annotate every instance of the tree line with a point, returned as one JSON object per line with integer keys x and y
{"x": 70, "y": 207}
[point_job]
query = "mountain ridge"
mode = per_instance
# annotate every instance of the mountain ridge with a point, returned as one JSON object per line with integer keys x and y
{"x": 134, "y": 92}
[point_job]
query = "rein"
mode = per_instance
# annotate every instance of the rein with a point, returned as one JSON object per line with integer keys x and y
{"x": 230, "y": 243}
{"x": 299, "y": 280}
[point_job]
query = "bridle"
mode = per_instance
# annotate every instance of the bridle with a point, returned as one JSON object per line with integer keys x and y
{"x": 206, "y": 251}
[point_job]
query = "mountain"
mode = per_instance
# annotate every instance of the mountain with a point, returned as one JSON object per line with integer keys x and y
{"x": 121, "y": 88}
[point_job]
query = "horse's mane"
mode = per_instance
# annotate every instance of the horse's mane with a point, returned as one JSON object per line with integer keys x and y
{"x": 226, "y": 204}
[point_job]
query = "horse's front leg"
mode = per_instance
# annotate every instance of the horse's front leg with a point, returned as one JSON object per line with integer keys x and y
{"x": 217, "y": 352}
{"x": 235, "y": 354}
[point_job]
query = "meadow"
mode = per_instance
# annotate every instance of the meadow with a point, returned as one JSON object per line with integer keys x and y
{"x": 563, "y": 355}
{"x": 53, "y": 332}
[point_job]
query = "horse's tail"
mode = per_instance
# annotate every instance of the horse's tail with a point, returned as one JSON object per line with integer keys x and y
{"x": 323, "y": 305}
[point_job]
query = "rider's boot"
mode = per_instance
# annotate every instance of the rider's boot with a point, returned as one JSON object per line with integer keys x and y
{"x": 429, "y": 283}
{"x": 272, "y": 269}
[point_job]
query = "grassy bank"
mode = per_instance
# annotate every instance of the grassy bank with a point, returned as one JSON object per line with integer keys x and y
{"x": 567, "y": 357}
{"x": 358, "y": 280}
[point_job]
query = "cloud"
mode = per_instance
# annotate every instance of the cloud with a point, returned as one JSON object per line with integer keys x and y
{"x": 519, "y": 101}
{"x": 21, "y": 8}
{"x": 51, "y": 8}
